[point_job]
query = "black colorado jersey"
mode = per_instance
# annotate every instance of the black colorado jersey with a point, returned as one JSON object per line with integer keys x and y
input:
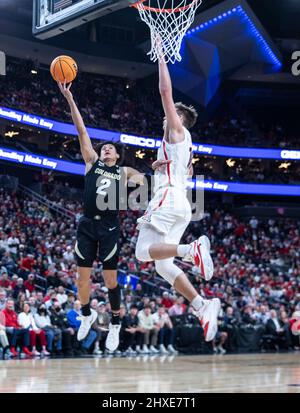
{"x": 102, "y": 190}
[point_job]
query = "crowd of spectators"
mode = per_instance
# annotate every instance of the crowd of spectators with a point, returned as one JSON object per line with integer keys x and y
{"x": 131, "y": 107}
{"x": 257, "y": 278}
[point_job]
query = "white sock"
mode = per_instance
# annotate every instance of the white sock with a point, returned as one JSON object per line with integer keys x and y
{"x": 197, "y": 302}
{"x": 183, "y": 250}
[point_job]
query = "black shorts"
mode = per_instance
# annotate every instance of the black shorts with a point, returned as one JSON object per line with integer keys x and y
{"x": 98, "y": 236}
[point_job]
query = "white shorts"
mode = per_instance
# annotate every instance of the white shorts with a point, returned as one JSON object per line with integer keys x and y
{"x": 169, "y": 212}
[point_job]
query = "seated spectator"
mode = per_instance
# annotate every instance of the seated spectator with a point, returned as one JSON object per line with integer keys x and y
{"x": 39, "y": 299}
{"x": 279, "y": 330}
{"x": 61, "y": 296}
{"x": 68, "y": 254}
{"x": 295, "y": 320}
{"x": 19, "y": 288}
{"x": 14, "y": 281}
{"x": 166, "y": 331}
{"x": 220, "y": 338}
{"x": 33, "y": 305}
{"x": 50, "y": 300}
{"x": 3, "y": 337}
{"x": 2, "y": 299}
{"x": 53, "y": 334}
{"x": 4, "y": 280}
{"x": 101, "y": 324}
{"x": 26, "y": 320}
{"x": 248, "y": 317}
{"x": 73, "y": 322}
{"x": 145, "y": 301}
{"x": 131, "y": 330}
{"x": 166, "y": 301}
{"x": 178, "y": 308}
{"x": 59, "y": 320}
{"x": 14, "y": 330}
{"x": 29, "y": 284}
{"x": 262, "y": 314}
{"x": 149, "y": 330}
{"x": 19, "y": 302}
{"x": 230, "y": 326}
{"x": 128, "y": 301}
{"x": 69, "y": 305}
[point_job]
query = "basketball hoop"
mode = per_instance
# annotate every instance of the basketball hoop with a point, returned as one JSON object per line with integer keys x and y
{"x": 168, "y": 20}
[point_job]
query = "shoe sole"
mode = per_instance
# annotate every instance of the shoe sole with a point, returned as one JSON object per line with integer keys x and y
{"x": 206, "y": 258}
{"x": 94, "y": 317}
{"x": 213, "y": 327}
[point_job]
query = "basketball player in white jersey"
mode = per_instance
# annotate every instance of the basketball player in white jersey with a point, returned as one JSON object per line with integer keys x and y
{"x": 169, "y": 212}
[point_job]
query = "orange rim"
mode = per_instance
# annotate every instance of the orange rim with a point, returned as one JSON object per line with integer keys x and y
{"x": 155, "y": 9}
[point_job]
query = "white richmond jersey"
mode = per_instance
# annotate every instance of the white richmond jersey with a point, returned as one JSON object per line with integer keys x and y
{"x": 176, "y": 173}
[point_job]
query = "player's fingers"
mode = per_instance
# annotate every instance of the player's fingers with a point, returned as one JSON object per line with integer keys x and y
{"x": 65, "y": 84}
{"x": 69, "y": 87}
{"x": 165, "y": 162}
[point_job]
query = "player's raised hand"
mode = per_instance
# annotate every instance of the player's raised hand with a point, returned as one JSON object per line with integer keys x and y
{"x": 65, "y": 90}
{"x": 159, "y": 48}
{"x": 160, "y": 164}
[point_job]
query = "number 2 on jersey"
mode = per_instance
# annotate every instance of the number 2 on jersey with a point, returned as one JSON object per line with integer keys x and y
{"x": 104, "y": 184}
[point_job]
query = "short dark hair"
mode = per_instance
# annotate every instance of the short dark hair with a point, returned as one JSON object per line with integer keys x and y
{"x": 189, "y": 113}
{"x": 147, "y": 306}
{"x": 119, "y": 149}
{"x": 134, "y": 306}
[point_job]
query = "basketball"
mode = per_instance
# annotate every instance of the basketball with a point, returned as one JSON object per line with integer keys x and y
{"x": 64, "y": 68}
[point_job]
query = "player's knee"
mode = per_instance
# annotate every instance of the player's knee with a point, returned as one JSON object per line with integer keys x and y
{"x": 110, "y": 283}
{"x": 167, "y": 270}
{"x": 82, "y": 282}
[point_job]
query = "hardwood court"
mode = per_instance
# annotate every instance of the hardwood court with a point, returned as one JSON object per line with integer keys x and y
{"x": 253, "y": 373}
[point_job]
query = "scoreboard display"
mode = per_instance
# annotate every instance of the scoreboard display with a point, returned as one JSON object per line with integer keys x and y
{"x": 53, "y": 17}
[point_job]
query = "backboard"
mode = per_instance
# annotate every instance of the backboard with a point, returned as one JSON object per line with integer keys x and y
{"x": 53, "y": 17}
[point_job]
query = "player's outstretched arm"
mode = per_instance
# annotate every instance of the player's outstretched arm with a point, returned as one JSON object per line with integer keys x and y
{"x": 160, "y": 164}
{"x": 176, "y": 132}
{"x": 88, "y": 153}
{"x": 134, "y": 176}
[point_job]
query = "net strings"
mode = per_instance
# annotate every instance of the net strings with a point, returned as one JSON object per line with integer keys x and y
{"x": 171, "y": 27}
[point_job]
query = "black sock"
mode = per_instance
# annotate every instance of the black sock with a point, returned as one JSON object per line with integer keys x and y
{"x": 114, "y": 296}
{"x": 115, "y": 318}
{"x": 85, "y": 309}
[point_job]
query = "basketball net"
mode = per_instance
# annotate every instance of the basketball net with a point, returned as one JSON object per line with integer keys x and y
{"x": 168, "y": 21}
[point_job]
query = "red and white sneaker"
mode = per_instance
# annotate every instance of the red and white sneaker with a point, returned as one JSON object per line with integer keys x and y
{"x": 208, "y": 316}
{"x": 13, "y": 352}
{"x": 199, "y": 255}
{"x": 27, "y": 351}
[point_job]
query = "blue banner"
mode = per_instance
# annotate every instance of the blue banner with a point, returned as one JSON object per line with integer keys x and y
{"x": 43, "y": 162}
{"x": 146, "y": 142}
{"x": 246, "y": 188}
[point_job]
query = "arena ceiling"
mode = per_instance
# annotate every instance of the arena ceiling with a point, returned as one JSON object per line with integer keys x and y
{"x": 118, "y": 36}
{"x": 280, "y": 18}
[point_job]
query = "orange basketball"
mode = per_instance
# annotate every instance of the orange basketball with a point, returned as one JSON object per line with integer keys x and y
{"x": 64, "y": 68}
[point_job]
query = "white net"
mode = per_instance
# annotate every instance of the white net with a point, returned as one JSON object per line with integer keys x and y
{"x": 168, "y": 20}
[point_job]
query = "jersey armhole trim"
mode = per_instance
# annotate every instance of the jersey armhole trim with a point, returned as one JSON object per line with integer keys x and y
{"x": 90, "y": 166}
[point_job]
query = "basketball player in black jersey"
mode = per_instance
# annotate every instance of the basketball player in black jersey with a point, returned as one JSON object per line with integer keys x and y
{"x": 98, "y": 229}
